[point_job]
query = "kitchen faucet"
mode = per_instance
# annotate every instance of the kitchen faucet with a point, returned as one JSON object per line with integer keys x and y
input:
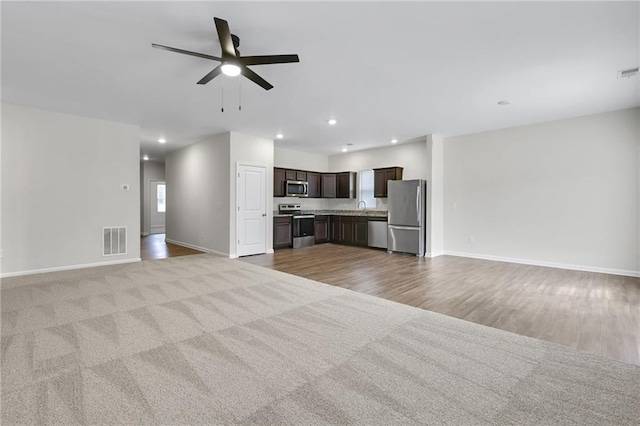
{"x": 363, "y": 202}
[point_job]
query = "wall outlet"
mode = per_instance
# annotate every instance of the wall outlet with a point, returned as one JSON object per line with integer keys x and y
{"x": 472, "y": 239}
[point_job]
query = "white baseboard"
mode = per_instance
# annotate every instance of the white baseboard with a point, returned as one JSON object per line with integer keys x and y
{"x": 546, "y": 264}
{"x": 191, "y": 246}
{"x": 69, "y": 267}
{"x": 434, "y": 254}
{"x": 270, "y": 251}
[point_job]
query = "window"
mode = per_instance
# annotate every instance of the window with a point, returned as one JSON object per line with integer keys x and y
{"x": 366, "y": 188}
{"x": 162, "y": 198}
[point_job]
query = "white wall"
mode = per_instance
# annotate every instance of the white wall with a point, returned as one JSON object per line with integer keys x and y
{"x": 563, "y": 193}
{"x": 61, "y": 177}
{"x": 198, "y": 181}
{"x": 435, "y": 200}
{"x": 291, "y": 159}
{"x": 149, "y": 171}
{"x": 251, "y": 150}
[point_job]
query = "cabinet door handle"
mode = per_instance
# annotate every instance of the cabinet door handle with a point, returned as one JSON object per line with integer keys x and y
{"x": 264, "y": 214}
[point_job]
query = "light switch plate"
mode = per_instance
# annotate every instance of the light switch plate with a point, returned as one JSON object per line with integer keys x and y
{"x": 124, "y": 187}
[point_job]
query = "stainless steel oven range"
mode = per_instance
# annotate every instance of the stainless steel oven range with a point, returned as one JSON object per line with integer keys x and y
{"x": 303, "y": 225}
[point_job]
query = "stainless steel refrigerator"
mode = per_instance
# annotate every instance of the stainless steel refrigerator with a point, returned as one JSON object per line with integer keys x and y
{"x": 407, "y": 216}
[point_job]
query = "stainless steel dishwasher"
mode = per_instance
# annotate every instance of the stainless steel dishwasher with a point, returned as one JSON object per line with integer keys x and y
{"x": 377, "y": 232}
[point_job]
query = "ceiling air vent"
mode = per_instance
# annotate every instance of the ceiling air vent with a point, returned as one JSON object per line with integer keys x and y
{"x": 628, "y": 73}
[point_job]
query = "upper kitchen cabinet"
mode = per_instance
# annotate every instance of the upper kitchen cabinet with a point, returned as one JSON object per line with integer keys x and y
{"x": 346, "y": 185}
{"x": 381, "y": 177}
{"x": 328, "y": 185}
{"x": 314, "y": 184}
{"x": 290, "y": 174}
{"x": 278, "y": 182}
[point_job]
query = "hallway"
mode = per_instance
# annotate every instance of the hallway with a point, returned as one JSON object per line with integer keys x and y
{"x": 154, "y": 247}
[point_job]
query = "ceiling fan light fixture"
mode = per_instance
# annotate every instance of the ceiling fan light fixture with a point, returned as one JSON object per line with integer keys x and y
{"x": 230, "y": 69}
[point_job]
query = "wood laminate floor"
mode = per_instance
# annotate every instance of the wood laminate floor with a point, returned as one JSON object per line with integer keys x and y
{"x": 594, "y": 312}
{"x": 154, "y": 247}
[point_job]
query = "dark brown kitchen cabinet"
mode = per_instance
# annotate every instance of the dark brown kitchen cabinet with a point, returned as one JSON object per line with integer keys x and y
{"x": 301, "y": 176}
{"x": 282, "y": 232}
{"x": 334, "y": 224}
{"x": 314, "y": 185}
{"x": 328, "y": 185}
{"x": 381, "y": 177}
{"x": 290, "y": 174}
{"x": 350, "y": 230}
{"x": 346, "y": 230}
{"x": 278, "y": 182}
{"x": 360, "y": 231}
{"x": 321, "y": 229}
{"x": 346, "y": 185}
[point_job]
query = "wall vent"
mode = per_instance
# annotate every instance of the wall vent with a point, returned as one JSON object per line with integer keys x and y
{"x": 114, "y": 240}
{"x": 628, "y": 73}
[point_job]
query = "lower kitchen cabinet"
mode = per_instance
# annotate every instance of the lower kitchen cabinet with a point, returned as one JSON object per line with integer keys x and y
{"x": 321, "y": 229}
{"x": 282, "y": 232}
{"x": 351, "y": 230}
{"x": 361, "y": 231}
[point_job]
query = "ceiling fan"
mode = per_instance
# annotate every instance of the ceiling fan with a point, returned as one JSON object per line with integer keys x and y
{"x": 231, "y": 63}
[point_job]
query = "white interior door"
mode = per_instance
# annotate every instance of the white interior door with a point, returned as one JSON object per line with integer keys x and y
{"x": 157, "y": 206}
{"x": 251, "y": 216}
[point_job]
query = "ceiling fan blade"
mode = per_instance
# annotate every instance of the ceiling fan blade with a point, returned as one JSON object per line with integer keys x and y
{"x": 268, "y": 59}
{"x": 214, "y": 73}
{"x": 255, "y": 78}
{"x": 225, "y": 38}
{"x": 186, "y": 52}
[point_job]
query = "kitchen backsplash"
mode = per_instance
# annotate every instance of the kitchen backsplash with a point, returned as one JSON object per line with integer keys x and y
{"x": 328, "y": 203}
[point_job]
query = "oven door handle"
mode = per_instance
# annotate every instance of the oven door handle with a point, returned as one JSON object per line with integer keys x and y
{"x": 304, "y": 217}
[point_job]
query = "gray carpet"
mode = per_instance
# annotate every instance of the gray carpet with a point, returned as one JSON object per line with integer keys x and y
{"x": 203, "y": 339}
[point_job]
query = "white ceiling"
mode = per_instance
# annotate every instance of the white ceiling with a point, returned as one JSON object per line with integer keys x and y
{"x": 384, "y": 70}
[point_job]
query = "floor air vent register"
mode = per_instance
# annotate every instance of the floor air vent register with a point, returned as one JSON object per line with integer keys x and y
{"x": 114, "y": 240}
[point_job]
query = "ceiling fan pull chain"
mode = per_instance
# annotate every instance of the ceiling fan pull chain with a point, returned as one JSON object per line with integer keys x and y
{"x": 222, "y": 84}
{"x": 239, "y": 94}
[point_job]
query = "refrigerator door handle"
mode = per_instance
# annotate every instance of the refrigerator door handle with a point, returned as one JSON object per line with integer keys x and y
{"x": 410, "y": 228}
{"x": 418, "y": 205}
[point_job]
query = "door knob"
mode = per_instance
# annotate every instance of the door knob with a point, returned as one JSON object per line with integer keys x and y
{"x": 264, "y": 214}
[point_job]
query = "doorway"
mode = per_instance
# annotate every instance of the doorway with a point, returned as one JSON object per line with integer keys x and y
{"x": 251, "y": 219}
{"x": 157, "y": 206}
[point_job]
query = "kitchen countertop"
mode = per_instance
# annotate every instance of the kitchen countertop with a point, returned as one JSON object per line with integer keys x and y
{"x": 367, "y": 213}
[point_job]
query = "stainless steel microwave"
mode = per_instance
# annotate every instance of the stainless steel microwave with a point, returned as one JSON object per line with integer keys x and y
{"x": 296, "y": 188}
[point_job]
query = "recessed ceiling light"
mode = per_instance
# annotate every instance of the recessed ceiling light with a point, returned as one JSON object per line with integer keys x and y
{"x": 332, "y": 122}
{"x": 162, "y": 140}
{"x": 394, "y": 140}
{"x": 344, "y": 149}
{"x": 145, "y": 158}
{"x": 279, "y": 136}
{"x": 504, "y": 103}
{"x": 230, "y": 69}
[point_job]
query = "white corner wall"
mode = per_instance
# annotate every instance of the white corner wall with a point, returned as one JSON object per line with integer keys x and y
{"x": 149, "y": 171}
{"x": 257, "y": 151}
{"x": 61, "y": 177}
{"x": 564, "y": 193}
{"x": 291, "y": 159}
{"x": 198, "y": 201}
